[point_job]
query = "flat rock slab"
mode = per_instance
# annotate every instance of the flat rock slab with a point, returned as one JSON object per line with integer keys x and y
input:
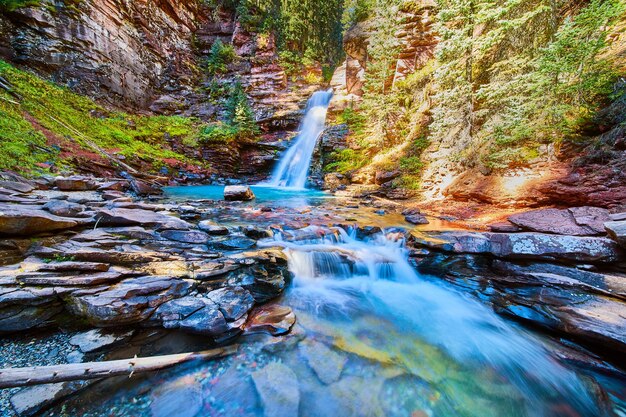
{"x": 30, "y": 401}
{"x": 577, "y": 221}
{"x": 212, "y": 228}
{"x": 181, "y": 398}
{"x": 20, "y": 187}
{"x": 134, "y": 217}
{"x": 57, "y": 280}
{"x": 232, "y": 244}
{"x": 131, "y": 301}
{"x": 186, "y": 236}
{"x": 617, "y": 231}
{"x": 279, "y": 390}
{"x": 523, "y": 245}
{"x": 75, "y": 183}
{"x": 26, "y": 221}
{"x": 197, "y": 315}
{"x": 64, "y": 208}
{"x": 98, "y": 339}
{"x": 326, "y": 363}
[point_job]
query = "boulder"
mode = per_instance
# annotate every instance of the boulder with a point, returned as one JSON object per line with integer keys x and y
{"x": 278, "y": 389}
{"x": 131, "y": 301}
{"x": 212, "y": 228}
{"x": 386, "y": 176}
{"x": 617, "y": 231}
{"x": 238, "y": 193}
{"x": 523, "y": 245}
{"x": 25, "y": 221}
{"x": 75, "y": 183}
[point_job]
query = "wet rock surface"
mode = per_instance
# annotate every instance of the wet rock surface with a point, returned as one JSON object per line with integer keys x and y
{"x": 523, "y": 245}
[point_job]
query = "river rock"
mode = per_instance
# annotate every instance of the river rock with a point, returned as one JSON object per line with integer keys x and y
{"x": 279, "y": 390}
{"x": 233, "y": 302}
{"x": 273, "y": 319}
{"x": 416, "y": 219}
{"x": 131, "y": 301}
{"x": 326, "y": 363}
{"x": 185, "y": 236}
{"x": 75, "y": 183}
{"x": 617, "y": 231}
{"x": 523, "y": 245}
{"x": 254, "y": 232}
{"x": 238, "y": 193}
{"x": 212, "y": 228}
{"x": 64, "y": 208}
{"x": 26, "y": 221}
{"x": 116, "y": 217}
{"x": 98, "y": 339}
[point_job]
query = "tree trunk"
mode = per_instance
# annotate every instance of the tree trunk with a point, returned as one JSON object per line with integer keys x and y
{"x": 22, "y": 377}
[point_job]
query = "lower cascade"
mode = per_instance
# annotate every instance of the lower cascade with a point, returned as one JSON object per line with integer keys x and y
{"x": 454, "y": 356}
{"x": 293, "y": 167}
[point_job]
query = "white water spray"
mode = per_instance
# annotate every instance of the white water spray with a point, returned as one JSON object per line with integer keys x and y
{"x": 293, "y": 168}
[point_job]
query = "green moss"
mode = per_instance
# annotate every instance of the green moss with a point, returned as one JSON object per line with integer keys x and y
{"x": 68, "y": 117}
{"x": 346, "y": 160}
{"x": 11, "y": 5}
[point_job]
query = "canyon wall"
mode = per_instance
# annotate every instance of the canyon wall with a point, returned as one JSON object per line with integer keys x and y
{"x": 118, "y": 51}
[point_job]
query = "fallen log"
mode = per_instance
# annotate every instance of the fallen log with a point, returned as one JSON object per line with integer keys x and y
{"x": 36, "y": 375}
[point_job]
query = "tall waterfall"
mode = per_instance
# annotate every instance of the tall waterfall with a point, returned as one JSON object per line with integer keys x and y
{"x": 293, "y": 168}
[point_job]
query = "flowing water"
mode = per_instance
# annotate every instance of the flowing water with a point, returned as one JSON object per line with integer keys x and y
{"x": 373, "y": 338}
{"x": 293, "y": 167}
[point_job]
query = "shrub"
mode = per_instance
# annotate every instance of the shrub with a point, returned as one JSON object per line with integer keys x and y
{"x": 220, "y": 56}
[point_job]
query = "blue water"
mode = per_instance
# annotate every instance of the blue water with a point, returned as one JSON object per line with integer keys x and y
{"x": 278, "y": 197}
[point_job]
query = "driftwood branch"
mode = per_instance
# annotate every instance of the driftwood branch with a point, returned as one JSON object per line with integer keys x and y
{"x": 23, "y": 377}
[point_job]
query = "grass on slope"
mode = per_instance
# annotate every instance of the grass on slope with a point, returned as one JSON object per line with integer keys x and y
{"x": 40, "y": 113}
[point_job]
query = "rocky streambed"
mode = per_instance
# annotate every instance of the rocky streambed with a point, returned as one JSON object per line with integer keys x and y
{"x": 93, "y": 271}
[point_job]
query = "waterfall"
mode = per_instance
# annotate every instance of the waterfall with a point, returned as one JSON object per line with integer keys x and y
{"x": 293, "y": 168}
